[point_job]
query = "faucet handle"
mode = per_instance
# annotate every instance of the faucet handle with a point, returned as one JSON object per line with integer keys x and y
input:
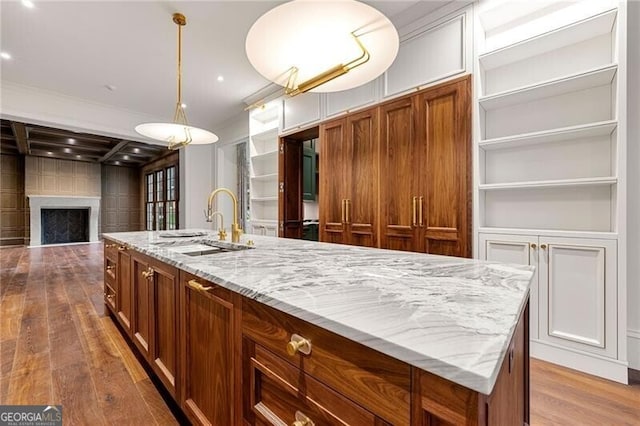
{"x": 207, "y": 215}
{"x": 222, "y": 234}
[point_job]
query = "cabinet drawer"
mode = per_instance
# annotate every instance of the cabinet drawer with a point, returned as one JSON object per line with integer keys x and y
{"x": 376, "y": 381}
{"x": 282, "y": 394}
{"x": 110, "y": 249}
{"x": 110, "y": 270}
{"x": 110, "y": 296}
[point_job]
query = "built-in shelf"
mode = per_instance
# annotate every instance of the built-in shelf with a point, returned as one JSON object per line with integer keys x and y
{"x": 547, "y": 232}
{"x": 550, "y": 183}
{"x": 265, "y": 155}
{"x": 264, "y": 199}
{"x": 266, "y": 114}
{"x": 263, "y": 178}
{"x": 565, "y": 36}
{"x": 585, "y": 131}
{"x": 268, "y": 135}
{"x": 573, "y": 83}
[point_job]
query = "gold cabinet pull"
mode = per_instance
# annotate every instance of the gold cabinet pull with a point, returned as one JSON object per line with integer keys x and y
{"x": 543, "y": 246}
{"x": 148, "y": 273}
{"x": 123, "y": 248}
{"x": 414, "y": 211}
{"x": 347, "y": 204}
{"x": 110, "y": 246}
{"x": 302, "y": 420}
{"x": 298, "y": 344}
{"x": 111, "y": 267}
{"x": 197, "y": 286}
{"x": 533, "y": 246}
{"x": 342, "y": 211}
{"x": 420, "y": 216}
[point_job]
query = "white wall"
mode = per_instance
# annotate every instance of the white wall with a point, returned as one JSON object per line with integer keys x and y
{"x": 633, "y": 182}
{"x": 196, "y": 180}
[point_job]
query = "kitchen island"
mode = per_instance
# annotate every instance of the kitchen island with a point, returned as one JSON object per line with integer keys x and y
{"x": 291, "y": 331}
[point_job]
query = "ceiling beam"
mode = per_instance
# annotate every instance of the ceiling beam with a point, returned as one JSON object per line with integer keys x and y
{"x": 22, "y": 138}
{"x": 113, "y": 151}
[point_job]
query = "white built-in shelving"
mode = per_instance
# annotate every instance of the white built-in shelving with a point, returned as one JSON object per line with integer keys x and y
{"x": 550, "y": 166}
{"x": 263, "y": 129}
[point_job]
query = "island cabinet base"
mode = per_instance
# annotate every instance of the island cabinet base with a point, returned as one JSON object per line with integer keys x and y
{"x": 230, "y": 360}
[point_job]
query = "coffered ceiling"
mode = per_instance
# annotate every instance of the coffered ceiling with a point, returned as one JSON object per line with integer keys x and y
{"x": 123, "y": 53}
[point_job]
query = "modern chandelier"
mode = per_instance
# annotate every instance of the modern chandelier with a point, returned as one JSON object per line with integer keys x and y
{"x": 178, "y": 133}
{"x": 321, "y": 46}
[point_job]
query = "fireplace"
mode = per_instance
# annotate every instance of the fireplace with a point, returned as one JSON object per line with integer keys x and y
{"x": 54, "y": 219}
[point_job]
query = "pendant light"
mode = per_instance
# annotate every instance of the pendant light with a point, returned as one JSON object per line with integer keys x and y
{"x": 321, "y": 46}
{"x": 179, "y": 133}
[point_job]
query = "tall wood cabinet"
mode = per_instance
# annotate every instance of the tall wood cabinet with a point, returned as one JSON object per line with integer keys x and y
{"x": 398, "y": 176}
{"x": 349, "y": 179}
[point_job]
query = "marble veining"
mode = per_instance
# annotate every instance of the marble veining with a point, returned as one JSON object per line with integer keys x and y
{"x": 450, "y": 316}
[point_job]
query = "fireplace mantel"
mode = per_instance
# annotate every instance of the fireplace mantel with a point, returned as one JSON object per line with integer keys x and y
{"x": 38, "y": 202}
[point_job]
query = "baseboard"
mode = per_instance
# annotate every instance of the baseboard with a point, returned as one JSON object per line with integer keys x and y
{"x": 607, "y": 368}
{"x": 633, "y": 347}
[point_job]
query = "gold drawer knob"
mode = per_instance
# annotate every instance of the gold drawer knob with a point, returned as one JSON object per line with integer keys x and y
{"x": 543, "y": 246}
{"x": 148, "y": 273}
{"x": 533, "y": 246}
{"x": 110, "y": 246}
{"x": 111, "y": 267}
{"x": 302, "y": 420}
{"x": 298, "y": 344}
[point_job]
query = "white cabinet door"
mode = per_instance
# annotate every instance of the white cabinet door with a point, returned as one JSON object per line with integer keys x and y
{"x": 428, "y": 56}
{"x": 520, "y": 250}
{"x": 301, "y": 110}
{"x": 341, "y": 102}
{"x": 578, "y": 281}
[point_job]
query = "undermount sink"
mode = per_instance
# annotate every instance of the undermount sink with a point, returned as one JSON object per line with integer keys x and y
{"x": 201, "y": 248}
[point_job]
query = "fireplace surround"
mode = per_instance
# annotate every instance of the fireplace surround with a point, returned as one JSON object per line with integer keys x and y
{"x": 39, "y": 202}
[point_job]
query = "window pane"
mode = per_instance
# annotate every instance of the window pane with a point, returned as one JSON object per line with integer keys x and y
{"x": 149, "y": 217}
{"x": 159, "y": 216}
{"x": 171, "y": 215}
{"x": 149, "y": 187}
{"x": 159, "y": 185}
{"x": 171, "y": 183}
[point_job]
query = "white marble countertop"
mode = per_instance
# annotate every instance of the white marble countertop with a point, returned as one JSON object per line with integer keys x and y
{"x": 450, "y": 316}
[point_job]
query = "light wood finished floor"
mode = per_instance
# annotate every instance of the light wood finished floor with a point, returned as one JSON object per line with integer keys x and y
{"x": 58, "y": 347}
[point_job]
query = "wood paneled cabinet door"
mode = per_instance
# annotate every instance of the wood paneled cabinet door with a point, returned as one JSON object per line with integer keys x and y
{"x": 164, "y": 328}
{"x": 444, "y": 195}
{"x": 124, "y": 299}
{"x": 333, "y": 188}
{"x": 349, "y": 180}
{"x": 141, "y": 281}
{"x": 208, "y": 344}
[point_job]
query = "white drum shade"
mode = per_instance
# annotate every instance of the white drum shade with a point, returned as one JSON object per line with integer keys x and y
{"x": 176, "y": 133}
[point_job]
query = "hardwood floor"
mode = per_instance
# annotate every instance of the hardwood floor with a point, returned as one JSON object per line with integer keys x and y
{"x": 57, "y": 346}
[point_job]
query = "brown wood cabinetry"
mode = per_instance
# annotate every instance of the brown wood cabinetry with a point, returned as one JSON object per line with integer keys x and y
{"x": 155, "y": 316}
{"x": 209, "y": 342}
{"x": 124, "y": 305}
{"x": 349, "y": 186}
{"x": 110, "y": 276}
{"x": 426, "y": 164}
{"x": 413, "y": 153}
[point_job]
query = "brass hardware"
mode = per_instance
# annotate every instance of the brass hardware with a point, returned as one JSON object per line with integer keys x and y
{"x": 347, "y": 215}
{"x": 197, "y": 286}
{"x": 543, "y": 246}
{"x": 236, "y": 231}
{"x": 122, "y": 248}
{"x": 222, "y": 233}
{"x": 111, "y": 267}
{"x": 420, "y": 215}
{"x": 533, "y": 246}
{"x": 148, "y": 273}
{"x": 298, "y": 344}
{"x": 250, "y": 243}
{"x": 108, "y": 246}
{"x": 327, "y": 75}
{"x": 342, "y": 211}
{"x": 302, "y": 420}
{"x": 414, "y": 210}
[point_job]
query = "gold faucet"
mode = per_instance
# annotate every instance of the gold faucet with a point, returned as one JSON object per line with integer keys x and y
{"x": 236, "y": 231}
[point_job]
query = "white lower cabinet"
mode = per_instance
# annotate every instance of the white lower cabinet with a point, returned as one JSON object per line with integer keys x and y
{"x": 574, "y": 290}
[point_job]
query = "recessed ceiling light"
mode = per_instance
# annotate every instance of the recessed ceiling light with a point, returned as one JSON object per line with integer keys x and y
{"x": 71, "y": 141}
{"x": 220, "y": 78}
{"x": 126, "y": 157}
{"x": 117, "y": 163}
{"x": 78, "y": 156}
{"x": 49, "y": 153}
{"x": 67, "y": 150}
{"x": 28, "y": 3}
{"x": 5, "y": 55}
{"x": 136, "y": 150}
{"x": 183, "y": 105}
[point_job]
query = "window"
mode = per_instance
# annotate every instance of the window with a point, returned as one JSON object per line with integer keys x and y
{"x": 161, "y": 199}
